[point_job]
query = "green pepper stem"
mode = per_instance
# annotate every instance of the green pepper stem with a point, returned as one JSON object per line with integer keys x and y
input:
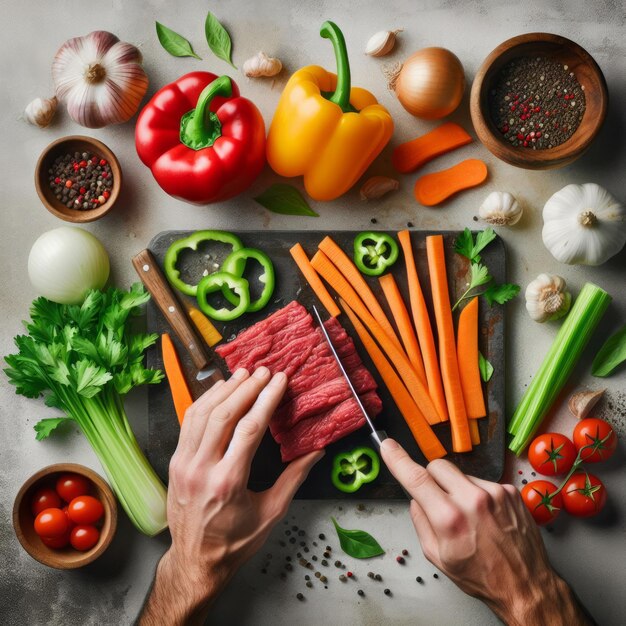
{"x": 200, "y": 128}
{"x": 341, "y": 96}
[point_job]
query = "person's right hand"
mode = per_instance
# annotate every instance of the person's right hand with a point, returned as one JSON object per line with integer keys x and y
{"x": 481, "y": 535}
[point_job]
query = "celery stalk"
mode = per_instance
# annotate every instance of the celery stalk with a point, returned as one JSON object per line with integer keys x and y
{"x": 558, "y": 364}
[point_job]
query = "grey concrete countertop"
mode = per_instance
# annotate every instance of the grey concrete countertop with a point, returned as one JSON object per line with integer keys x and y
{"x": 590, "y": 554}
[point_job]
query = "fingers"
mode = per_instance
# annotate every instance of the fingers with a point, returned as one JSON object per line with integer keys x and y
{"x": 225, "y": 416}
{"x": 449, "y": 477}
{"x": 425, "y": 533}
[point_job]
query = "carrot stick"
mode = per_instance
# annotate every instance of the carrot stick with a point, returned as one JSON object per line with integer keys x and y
{"x": 474, "y": 432}
{"x": 467, "y": 356}
{"x": 343, "y": 288}
{"x": 403, "y": 322}
{"x": 345, "y": 265}
{"x": 423, "y": 328}
{"x": 209, "y": 333}
{"x": 461, "y": 441}
{"x": 175, "y": 377}
{"x": 413, "y": 154}
{"x": 432, "y": 189}
{"x": 426, "y": 439}
{"x": 315, "y": 282}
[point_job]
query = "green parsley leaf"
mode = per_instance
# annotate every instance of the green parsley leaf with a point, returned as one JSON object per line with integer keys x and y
{"x": 44, "y": 427}
{"x": 486, "y": 369}
{"x": 465, "y": 245}
{"x": 479, "y": 275}
{"x": 501, "y": 293}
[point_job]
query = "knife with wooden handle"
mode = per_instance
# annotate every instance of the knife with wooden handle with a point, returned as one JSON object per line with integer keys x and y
{"x": 174, "y": 312}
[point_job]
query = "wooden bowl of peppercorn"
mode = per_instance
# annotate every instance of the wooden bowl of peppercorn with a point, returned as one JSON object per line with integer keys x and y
{"x": 538, "y": 101}
{"x": 78, "y": 178}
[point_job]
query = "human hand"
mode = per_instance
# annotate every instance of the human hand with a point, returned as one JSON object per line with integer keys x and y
{"x": 481, "y": 535}
{"x": 215, "y": 521}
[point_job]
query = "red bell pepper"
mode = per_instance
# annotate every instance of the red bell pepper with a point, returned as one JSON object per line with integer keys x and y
{"x": 202, "y": 141}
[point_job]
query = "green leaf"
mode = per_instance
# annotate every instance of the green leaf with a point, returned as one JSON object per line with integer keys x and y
{"x": 174, "y": 43}
{"x": 89, "y": 378}
{"x": 486, "y": 369}
{"x": 501, "y": 293}
{"x": 218, "y": 39}
{"x": 286, "y": 200}
{"x": 611, "y": 354}
{"x": 483, "y": 239}
{"x": 44, "y": 427}
{"x": 479, "y": 275}
{"x": 357, "y": 543}
{"x": 465, "y": 246}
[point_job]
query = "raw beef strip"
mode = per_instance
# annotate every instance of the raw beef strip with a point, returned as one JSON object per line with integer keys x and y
{"x": 317, "y": 432}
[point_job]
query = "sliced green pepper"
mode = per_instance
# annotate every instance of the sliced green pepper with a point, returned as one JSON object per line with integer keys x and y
{"x": 235, "y": 263}
{"x": 221, "y": 281}
{"x": 375, "y": 252}
{"x": 353, "y": 469}
{"x": 192, "y": 242}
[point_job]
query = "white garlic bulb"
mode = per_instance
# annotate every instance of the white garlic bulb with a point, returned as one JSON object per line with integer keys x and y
{"x": 547, "y": 298}
{"x": 377, "y": 186}
{"x": 100, "y": 78}
{"x": 382, "y": 43}
{"x": 40, "y": 111}
{"x": 583, "y": 224}
{"x": 500, "y": 208}
{"x": 261, "y": 65}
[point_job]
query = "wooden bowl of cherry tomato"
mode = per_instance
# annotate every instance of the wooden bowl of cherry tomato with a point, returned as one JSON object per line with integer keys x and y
{"x": 65, "y": 515}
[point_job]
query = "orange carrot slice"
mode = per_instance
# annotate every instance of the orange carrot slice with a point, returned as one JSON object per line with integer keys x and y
{"x": 433, "y": 189}
{"x": 209, "y": 333}
{"x": 474, "y": 432}
{"x": 175, "y": 377}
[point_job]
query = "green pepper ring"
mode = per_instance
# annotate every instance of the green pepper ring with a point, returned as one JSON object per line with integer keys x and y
{"x": 352, "y": 464}
{"x": 218, "y": 281}
{"x": 235, "y": 263}
{"x": 364, "y": 253}
{"x": 192, "y": 242}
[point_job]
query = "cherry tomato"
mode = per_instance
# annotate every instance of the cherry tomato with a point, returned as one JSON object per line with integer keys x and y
{"x": 56, "y": 542}
{"x": 85, "y": 510}
{"x": 584, "y": 495}
{"x": 543, "y": 507}
{"x": 70, "y": 523}
{"x": 51, "y": 523}
{"x": 70, "y": 486}
{"x": 551, "y": 454}
{"x": 84, "y": 537}
{"x": 44, "y": 498}
{"x": 599, "y": 436}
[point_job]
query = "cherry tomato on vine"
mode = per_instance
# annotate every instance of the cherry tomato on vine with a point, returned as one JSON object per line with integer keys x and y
{"x": 85, "y": 510}
{"x": 70, "y": 486}
{"x": 51, "y": 523}
{"x": 84, "y": 537}
{"x": 543, "y": 506}
{"x": 599, "y": 436}
{"x": 551, "y": 454}
{"x": 44, "y": 498}
{"x": 584, "y": 495}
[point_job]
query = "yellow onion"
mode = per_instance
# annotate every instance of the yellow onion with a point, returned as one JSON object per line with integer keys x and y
{"x": 430, "y": 83}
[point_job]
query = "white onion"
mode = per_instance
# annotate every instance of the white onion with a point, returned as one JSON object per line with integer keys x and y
{"x": 65, "y": 263}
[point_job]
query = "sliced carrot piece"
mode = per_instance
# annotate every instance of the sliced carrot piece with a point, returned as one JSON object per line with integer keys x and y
{"x": 474, "y": 432}
{"x": 467, "y": 357}
{"x": 433, "y": 189}
{"x": 426, "y": 439}
{"x": 423, "y": 328}
{"x": 315, "y": 282}
{"x": 461, "y": 441}
{"x": 175, "y": 377}
{"x": 209, "y": 333}
{"x": 403, "y": 323}
{"x": 413, "y": 154}
{"x": 400, "y": 361}
{"x": 345, "y": 265}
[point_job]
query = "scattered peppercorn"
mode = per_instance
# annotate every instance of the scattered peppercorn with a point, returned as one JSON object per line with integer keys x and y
{"x": 374, "y": 220}
{"x": 475, "y": 218}
{"x": 314, "y": 558}
{"x": 400, "y": 560}
{"x": 349, "y": 574}
{"x": 409, "y": 224}
{"x": 370, "y": 574}
{"x": 300, "y": 533}
{"x": 360, "y": 507}
{"x": 361, "y": 592}
{"x": 524, "y": 481}
{"x": 419, "y": 579}
{"x": 302, "y": 562}
{"x": 324, "y": 562}
{"x": 288, "y": 558}
{"x": 520, "y": 472}
{"x": 299, "y": 555}
{"x": 315, "y": 543}
{"x": 309, "y": 584}
{"x": 405, "y": 552}
{"x": 307, "y": 577}
{"x": 387, "y": 592}
{"x": 327, "y": 554}
{"x": 533, "y": 474}
{"x": 288, "y": 533}
{"x": 328, "y": 548}
{"x": 294, "y": 528}
{"x": 343, "y": 578}
{"x": 309, "y": 565}
{"x": 300, "y": 596}
{"x": 322, "y": 536}
{"x": 323, "y": 579}
{"x": 282, "y": 544}
{"x": 435, "y": 575}
{"x": 306, "y": 549}
{"x": 337, "y": 563}
{"x": 292, "y": 540}
{"x": 303, "y": 543}
{"x": 378, "y": 577}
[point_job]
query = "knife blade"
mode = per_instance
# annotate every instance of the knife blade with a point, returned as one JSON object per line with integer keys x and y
{"x": 174, "y": 312}
{"x": 377, "y": 436}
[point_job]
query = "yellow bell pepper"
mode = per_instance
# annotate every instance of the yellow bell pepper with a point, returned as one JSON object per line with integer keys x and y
{"x": 325, "y": 130}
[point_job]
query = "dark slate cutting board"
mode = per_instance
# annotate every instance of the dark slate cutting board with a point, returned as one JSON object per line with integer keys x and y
{"x": 487, "y": 459}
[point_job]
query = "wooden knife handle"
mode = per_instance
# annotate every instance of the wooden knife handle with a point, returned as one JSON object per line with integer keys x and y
{"x": 151, "y": 276}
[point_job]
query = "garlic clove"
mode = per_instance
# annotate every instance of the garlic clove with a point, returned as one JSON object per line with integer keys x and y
{"x": 581, "y": 403}
{"x": 377, "y": 186}
{"x": 40, "y": 111}
{"x": 547, "y": 298}
{"x": 500, "y": 208}
{"x": 382, "y": 43}
{"x": 261, "y": 65}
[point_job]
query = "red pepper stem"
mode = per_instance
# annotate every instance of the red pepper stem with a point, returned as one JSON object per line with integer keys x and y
{"x": 200, "y": 127}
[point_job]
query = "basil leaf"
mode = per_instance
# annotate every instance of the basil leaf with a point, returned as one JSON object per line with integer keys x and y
{"x": 286, "y": 200}
{"x": 611, "y": 354}
{"x": 218, "y": 39}
{"x": 174, "y": 43}
{"x": 357, "y": 543}
{"x": 486, "y": 369}
{"x": 44, "y": 427}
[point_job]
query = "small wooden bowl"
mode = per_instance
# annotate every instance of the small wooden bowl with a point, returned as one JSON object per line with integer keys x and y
{"x": 69, "y": 145}
{"x": 560, "y": 49}
{"x": 23, "y": 519}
